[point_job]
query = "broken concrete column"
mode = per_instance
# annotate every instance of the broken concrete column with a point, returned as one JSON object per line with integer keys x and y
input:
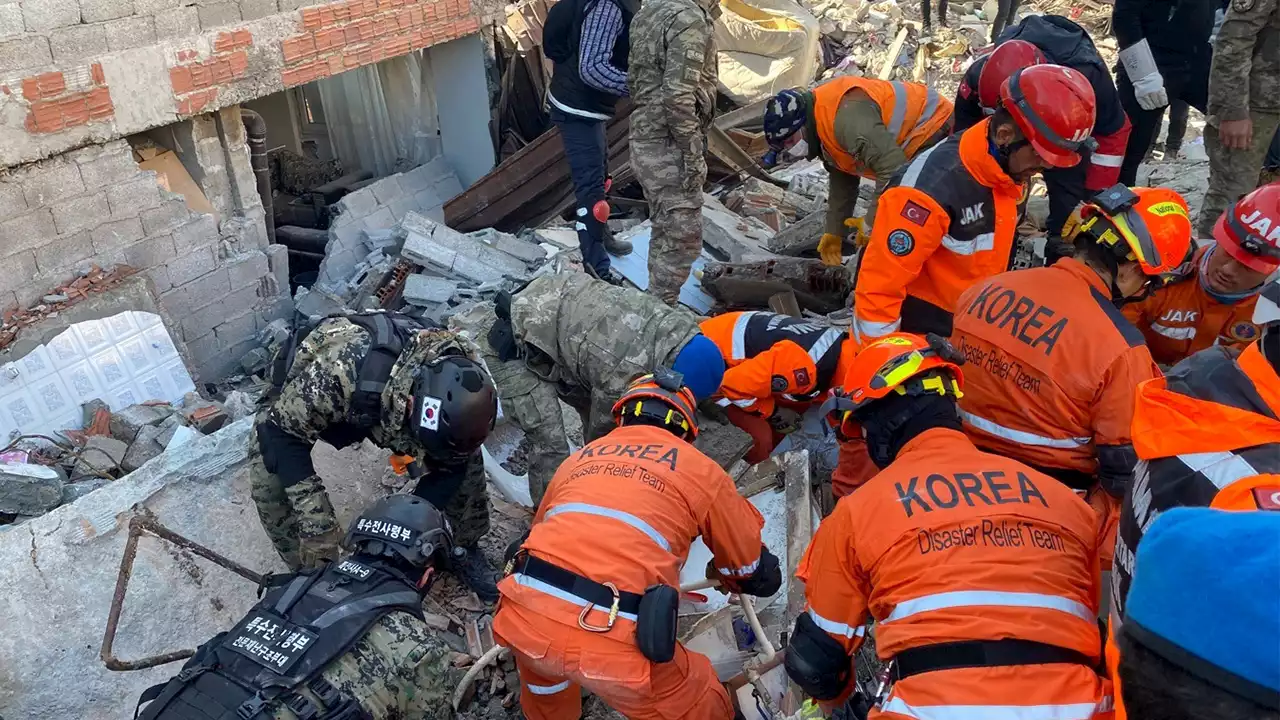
{"x": 749, "y": 285}
{"x": 427, "y": 290}
{"x": 126, "y": 423}
{"x": 100, "y": 454}
{"x": 143, "y": 448}
{"x": 27, "y": 489}
{"x": 432, "y": 244}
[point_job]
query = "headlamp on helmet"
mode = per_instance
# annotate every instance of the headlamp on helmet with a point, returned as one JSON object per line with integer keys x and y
{"x": 660, "y": 398}
{"x": 1149, "y": 226}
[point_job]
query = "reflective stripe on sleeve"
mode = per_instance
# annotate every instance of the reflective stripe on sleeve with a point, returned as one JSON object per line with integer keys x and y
{"x": 743, "y": 571}
{"x": 536, "y": 584}
{"x": 823, "y": 344}
{"x": 1185, "y": 333}
{"x": 912, "y": 173}
{"x": 872, "y": 330}
{"x": 988, "y": 598}
{"x": 1021, "y": 437}
{"x": 1106, "y": 160}
{"x": 1074, "y": 711}
{"x": 837, "y": 628}
{"x": 738, "y": 351}
{"x": 1221, "y": 468}
{"x": 625, "y": 517}
{"x": 547, "y": 689}
{"x": 980, "y": 243}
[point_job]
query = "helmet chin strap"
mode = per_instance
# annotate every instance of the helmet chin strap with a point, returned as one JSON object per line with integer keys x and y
{"x": 1002, "y": 154}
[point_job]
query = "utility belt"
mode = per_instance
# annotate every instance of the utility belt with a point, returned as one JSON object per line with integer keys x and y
{"x": 655, "y": 610}
{"x": 982, "y": 653}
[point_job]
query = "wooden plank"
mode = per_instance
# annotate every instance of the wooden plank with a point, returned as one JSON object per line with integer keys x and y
{"x": 752, "y": 114}
{"x": 732, "y": 154}
{"x": 785, "y": 303}
{"x": 799, "y": 532}
{"x": 892, "y": 58}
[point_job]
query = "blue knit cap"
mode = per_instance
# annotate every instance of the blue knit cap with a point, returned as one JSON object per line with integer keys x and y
{"x": 702, "y": 365}
{"x": 1206, "y": 597}
{"x": 784, "y": 116}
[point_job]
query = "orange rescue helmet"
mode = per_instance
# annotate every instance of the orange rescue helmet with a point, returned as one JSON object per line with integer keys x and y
{"x": 900, "y": 363}
{"x": 1009, "y": 56}
{"x": 1250, "y": 231}
{"x": 661, "y": 399}
{"x": 1054, "y": 107}
{"x": 1149, "y": 226}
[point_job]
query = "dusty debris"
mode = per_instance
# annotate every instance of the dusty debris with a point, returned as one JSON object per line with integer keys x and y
{"x": 95, "y": 280}
{"x": 27, "y": 489}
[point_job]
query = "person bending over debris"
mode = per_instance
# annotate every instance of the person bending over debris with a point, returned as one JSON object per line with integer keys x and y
{"x": 777, "y": 366}
{"x": 346, "y": 640}
{"x": 573, "y": 337}
{"x": 1179, "y": 662}
{"x": 415, "y": 391}
{"x": 1056, "y": 364}
{"x": 673, "y": 83}
{"x": 949, "y": 216}
{"x": 1053, "y": 39}
{"x": 1211, "y": 300}
{"x": 861, "y": 127}
{"x": 591, "y": 594}
{"x": 981, "y": 574}
{"x": 1208, "y": 435}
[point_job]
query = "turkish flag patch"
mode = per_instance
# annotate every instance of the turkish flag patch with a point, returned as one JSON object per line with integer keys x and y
{"x": 1267, "y": 498}
{"x": 915, "y": 212}
{"x": 802, "y": 377}
{"x": 964, "y": 90}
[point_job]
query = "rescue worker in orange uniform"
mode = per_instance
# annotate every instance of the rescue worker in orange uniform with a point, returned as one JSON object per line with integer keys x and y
{"x": 1054, "y": 362}
{"x": 590, "y": 598}
{"x": 776, "y": 367}
{"x": 1208, "y": 435}
{"x": 862, "y": 127}
{"x": 948, "y": 218}
{"x": 1211, "y": 300}
{"x": 980, "y": 573}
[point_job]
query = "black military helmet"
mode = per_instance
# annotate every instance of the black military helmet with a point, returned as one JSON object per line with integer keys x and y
{"x": 402, "y": 525}
{"x": 453, "y": 408}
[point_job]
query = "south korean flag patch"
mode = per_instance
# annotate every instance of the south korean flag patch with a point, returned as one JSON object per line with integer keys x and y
{"x": 429, "y": 416}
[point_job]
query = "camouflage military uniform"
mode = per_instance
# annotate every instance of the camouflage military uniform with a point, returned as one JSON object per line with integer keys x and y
{"x": 398, "y": 670}
{"x": 1244, "y": 82}
{"x": 316, "y": 397}
{"x": 583, "y": 341}
{"x": 672, "y": 77}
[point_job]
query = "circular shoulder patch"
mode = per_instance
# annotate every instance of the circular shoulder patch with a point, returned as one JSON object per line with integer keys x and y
{"x": 901, "y": 243}
{"x": 1244, "y": 331}
{"x": 778, "y": 383}
{"x": 1242, "y": 5}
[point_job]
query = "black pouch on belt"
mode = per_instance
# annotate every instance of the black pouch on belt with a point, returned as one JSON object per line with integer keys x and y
{"x": 656, "y": 623}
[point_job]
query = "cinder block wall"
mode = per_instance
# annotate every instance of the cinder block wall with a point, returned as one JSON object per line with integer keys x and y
{"x": 78, "y": 76}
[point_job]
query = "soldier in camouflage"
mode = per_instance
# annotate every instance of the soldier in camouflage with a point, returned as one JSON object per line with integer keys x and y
{"x": 377, "y": 660}
{"x": 1244, "y": 104}
{"x": 572, "y": 337}
{"x": 319, "y": 398}
{"x": 673, "y": 84}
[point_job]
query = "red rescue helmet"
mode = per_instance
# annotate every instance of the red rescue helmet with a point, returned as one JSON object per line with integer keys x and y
{"x": 1009, "y": 56}
{"x": 1250, "y": 230}
{"x": 900, "y": 363}
{"x": 1054, "y": 107}
{"x": 661, "y": 399}
{"x": 1149, "y": 226}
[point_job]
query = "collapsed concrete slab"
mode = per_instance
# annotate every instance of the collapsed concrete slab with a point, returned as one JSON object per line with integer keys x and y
{"x": 436, "y": 245}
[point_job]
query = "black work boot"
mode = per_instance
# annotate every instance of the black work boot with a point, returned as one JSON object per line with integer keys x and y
{"x": 472, "y": 569}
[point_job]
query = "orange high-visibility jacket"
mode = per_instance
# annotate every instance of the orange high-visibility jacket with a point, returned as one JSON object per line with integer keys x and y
{"x": 946, "y": 222}
{"x": 624, "y": 509}
{"x": 1207, "y": 434}
{"x": 1052, "y": 370}
{"x": 1180, "y": 319}
{"x": 913, "y": 112}
{"x": 772, "y": 356}
{"x": 950, "y": 544}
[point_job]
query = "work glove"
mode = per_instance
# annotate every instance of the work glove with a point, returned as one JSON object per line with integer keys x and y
{"x": 1148, "y": 83}
{"x": 764, "y": 582}
{"x": 784, "y": 421}
{"x": 829, "y": 249}
{"x": 857, "y": 231}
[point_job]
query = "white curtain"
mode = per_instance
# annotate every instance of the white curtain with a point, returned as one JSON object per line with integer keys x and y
{"x": 382, "y": 117}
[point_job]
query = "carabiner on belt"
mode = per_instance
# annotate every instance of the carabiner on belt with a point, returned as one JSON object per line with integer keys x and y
{"x": 613, "y": 613}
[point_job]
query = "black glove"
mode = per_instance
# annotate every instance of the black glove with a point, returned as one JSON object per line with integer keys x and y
{"x": 764, "y": 582}
{"x": 1055, "y": 249}
{"x": 785, "y": 421}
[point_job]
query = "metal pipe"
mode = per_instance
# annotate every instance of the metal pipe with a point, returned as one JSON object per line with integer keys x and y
{"x": 255, "y": 129}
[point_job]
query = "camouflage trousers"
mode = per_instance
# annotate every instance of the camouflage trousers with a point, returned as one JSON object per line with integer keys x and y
{"x": 301, "y": 523}
{"x": 1233, "y": 173}
{"x": 674, "y": 193}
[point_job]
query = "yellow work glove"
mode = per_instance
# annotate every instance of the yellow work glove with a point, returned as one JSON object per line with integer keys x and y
{"x": 858, "y": 227}
{"x": 829, "y": 249}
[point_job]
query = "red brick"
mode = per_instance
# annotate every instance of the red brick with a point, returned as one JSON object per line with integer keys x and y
{"x": 180, "y": 78}
{"x": 31, "y": 88}
{"x": 404, "y": 19}
{"x": 336, "y": 65}
{"x": 201, "y": 76}
{"x": 313, "y": 18}
{"x": 300, "y": 75}
{"x": 224, "y": 42}
{"x": 45, "y": 117}
{"x": 370, "y": 7}
{"x": 221, "y": 72}
{"x": 187, "y": 55}
{"x": 385, "y": 25}
{"x": 99, "y": 78}
{"x": 239, "y": 61}
{"x": 299, "y": 48}
{"x": 100, "y": 104}
{"x": 329, "y": 39}
{"x": 418, "y": 14}
{"x": 340, "y": 14}
{"x": 395, "y": 47}
{"x": 353, "y": 9}
{"x": 75, "y": 110}
{"x": 244, "y": 38}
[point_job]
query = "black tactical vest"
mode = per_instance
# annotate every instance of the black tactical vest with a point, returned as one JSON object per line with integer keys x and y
{"x": 282, "y": 645}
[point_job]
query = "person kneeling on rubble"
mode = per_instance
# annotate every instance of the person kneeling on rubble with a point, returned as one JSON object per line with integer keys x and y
{"x": 778, "y": 367}
{"x": 981, "y": 574}
{"x": 416, "y": 391}
{"x": 571, "y": 337}
{"x": 347, "y": 640}
{"x": 590, "y": 597}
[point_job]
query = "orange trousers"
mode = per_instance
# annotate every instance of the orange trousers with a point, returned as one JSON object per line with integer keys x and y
{"x": 556, "y": 662}
{"x": 763, "y": 437}
{"x": 1108, "y": 510}
{"x": 854, "y": 468}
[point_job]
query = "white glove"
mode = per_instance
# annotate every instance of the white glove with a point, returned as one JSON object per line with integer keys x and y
{"x": 1148, "y": 84}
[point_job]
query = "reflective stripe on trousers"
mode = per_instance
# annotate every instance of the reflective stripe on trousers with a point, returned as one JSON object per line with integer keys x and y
{"x": 1021, "y": 437}
{"x": 547, "y": 689}
{"x": 1073, "y": 711}
{"x": 837, "y": 628}
{"x": 989, "y": 598}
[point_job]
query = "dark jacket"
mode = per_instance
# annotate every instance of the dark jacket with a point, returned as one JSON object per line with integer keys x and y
{"x": 567, "y": 85}
{"x": 1177, "y": 30}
